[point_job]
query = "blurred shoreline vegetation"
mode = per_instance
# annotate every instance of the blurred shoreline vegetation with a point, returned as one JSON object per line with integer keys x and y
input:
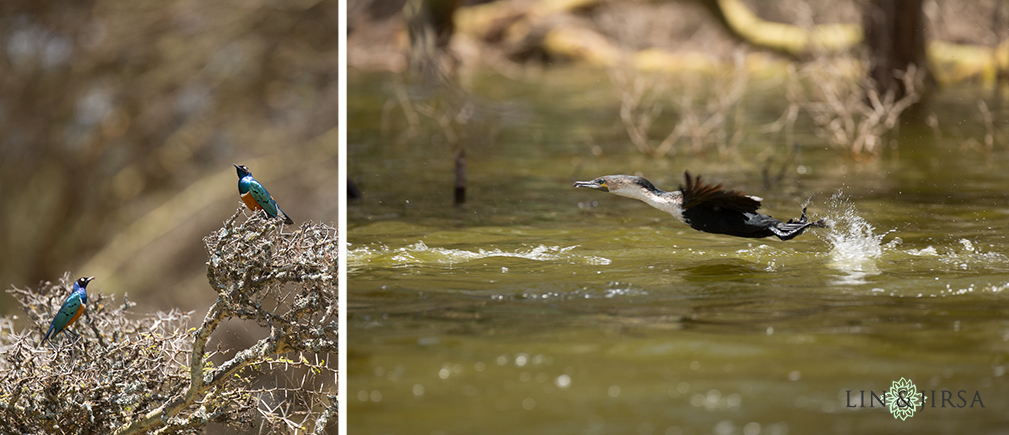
{"x": 683, "y": 72}
{"x": 119, "y": 122}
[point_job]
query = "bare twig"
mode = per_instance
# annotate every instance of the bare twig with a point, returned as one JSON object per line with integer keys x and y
{"x": 849, "y": 113}
{"x": 708, "y": 116}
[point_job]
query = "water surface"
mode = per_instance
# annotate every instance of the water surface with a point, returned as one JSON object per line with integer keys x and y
{"x": 540, "y": 308}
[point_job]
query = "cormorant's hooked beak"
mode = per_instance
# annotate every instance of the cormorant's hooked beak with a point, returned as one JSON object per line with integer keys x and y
{"x": 594, "y": 184}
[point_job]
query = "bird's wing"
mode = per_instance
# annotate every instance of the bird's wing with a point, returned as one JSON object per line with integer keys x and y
{"x": 696, "y": 193}
{"x": 263, "y": 197}
{"x": 66, "y": 312}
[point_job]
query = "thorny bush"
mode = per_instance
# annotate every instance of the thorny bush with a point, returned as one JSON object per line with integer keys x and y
{"x": 128, "y": 374}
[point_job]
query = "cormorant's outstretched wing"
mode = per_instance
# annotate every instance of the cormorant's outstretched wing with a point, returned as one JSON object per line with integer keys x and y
{"x": 697, "y": 193}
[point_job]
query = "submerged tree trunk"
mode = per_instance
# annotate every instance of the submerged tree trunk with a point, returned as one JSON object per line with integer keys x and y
{"x": 895, "y": 36}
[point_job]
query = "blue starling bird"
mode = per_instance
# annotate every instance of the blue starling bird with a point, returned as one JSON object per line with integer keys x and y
{"x": 71, "y": 309}
{"x": 705, "y": 207}
{"x": 255, "y": 196}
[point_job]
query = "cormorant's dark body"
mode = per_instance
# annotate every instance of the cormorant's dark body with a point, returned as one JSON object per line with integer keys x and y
{"x": 729, "y": 222}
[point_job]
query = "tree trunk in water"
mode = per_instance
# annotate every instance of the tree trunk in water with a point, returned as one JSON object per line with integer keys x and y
{"x": 895, "y": 36}
{"x": 998, "y": 26}
{"x": 430, "y": 26}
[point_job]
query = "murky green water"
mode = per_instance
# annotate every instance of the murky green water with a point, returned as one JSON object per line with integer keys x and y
{"x": 540, "y": 308}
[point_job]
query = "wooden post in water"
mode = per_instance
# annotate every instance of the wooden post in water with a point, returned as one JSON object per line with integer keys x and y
{"x": 460, "y": 176}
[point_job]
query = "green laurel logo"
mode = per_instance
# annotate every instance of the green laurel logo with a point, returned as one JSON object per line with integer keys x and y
{"x": 903, "y": 399}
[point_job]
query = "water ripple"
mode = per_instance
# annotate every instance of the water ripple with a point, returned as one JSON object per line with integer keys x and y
{"x": 419, "y": 254}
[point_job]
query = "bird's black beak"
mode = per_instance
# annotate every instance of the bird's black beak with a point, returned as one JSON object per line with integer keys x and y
{"x": 594, "y": 184}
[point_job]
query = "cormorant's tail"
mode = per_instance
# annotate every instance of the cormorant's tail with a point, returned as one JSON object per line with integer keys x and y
{"x": 795, "y": 227}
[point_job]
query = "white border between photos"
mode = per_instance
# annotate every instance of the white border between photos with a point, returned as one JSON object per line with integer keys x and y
{"x": 342, "y": 218}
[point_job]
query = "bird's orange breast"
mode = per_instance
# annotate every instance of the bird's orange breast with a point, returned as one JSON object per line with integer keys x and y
{"x": 250, "y": 201}
{"x": 77, "y": 315}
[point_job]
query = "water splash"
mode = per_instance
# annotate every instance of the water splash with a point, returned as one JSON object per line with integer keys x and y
{"x": 971, "y": 257}
{"x": 967, "y": 257}
{"x": 854, "y": 244}
{"x": 419, "y": 254}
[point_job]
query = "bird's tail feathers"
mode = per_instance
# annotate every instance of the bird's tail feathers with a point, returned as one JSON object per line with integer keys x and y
{"x": 46, "y": 337}
{"x": 287, "y": 219}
